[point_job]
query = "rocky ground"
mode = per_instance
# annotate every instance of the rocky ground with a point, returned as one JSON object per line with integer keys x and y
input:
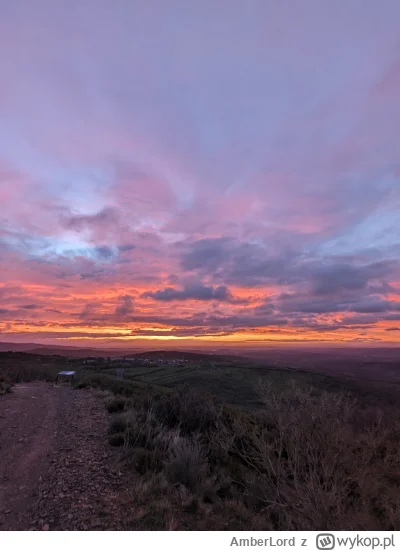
{"x": 57, "y": 471}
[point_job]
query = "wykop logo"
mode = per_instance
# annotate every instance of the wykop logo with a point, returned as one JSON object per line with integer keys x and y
{"x": 325, "y": 542}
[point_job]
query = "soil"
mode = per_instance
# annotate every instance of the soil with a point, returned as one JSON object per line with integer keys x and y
{"x": 57, "y": 470}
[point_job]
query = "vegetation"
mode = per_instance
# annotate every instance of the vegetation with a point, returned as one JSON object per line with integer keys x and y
{"x": 307, "y": 455}
{"x": 306, "y": 460}
{"x": 22, "y": 368}
{"x": 116, "y": 404}
{"x": 236, "y": 384}
{"x": 5, "y": 385}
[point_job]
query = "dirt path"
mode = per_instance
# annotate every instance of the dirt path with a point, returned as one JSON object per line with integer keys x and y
{"x": 57, "y": 471}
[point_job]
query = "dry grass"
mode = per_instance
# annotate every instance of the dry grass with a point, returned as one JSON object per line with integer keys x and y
{"x": 307, "y": 461}
{"x": 14, "y": 370}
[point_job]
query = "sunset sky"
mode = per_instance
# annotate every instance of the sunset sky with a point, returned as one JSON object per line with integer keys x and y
{"x": 215, "y": 171}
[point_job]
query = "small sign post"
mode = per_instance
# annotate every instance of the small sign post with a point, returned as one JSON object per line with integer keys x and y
{"x": 65, "y": 374}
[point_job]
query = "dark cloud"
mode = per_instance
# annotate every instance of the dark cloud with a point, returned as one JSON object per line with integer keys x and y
{"x": 382, "y": 288}
{"x": 232, "y": 262}
{"x": 104, "y": 252}
{"x": 392, "y": 317}
{"x": 292, "y": 303}
{"x": 302, "y": 303}
{"x": 240, "y": 263}
{"x": 124, "y": 306}
{"x": 126, "y": 248}
{"x": 333, "y": 277}
{"x": 207, "y": 321}
{"x": 90, "y": 311}
{"x": 375, "y": 305}
{"x": 362, "y": 319}
{"x": 81, "y": 222}
{"x": 206, "y": 254}
{"x": 180, "y": 332}
{"x": 191, "y": 292}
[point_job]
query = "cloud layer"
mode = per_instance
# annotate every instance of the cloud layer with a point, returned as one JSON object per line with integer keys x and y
{"x": 219, "y": 172}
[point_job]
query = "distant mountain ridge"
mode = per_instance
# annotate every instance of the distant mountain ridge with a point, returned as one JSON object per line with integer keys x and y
{"x": 76, "y": 352}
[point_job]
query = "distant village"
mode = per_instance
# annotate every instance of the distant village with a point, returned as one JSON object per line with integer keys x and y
{"x": 136, "y": 360}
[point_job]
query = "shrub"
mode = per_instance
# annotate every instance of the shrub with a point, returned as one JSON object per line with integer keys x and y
{"x": 118, "y": 425}
{"x": 188, "y": 410}
{"x": 116, "y": 439}
{"x": 116, "y": 404}
{"x": 142, "y": 429}
{"x": 5, "y": 387}
{"x": 186, "y": 463}
{"x": 145, "y": 460}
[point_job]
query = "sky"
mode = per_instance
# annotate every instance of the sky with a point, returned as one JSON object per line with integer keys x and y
{"x": 222, "y": 171}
